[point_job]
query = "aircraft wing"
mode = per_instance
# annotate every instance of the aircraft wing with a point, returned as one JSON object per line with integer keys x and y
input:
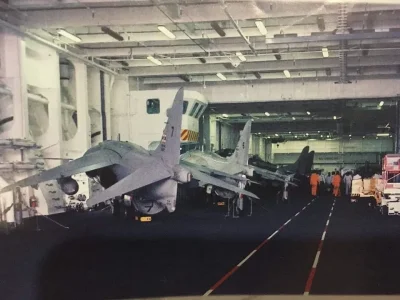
{"x": 208, "y": 179}
{"x": 96, "y": 160}
{"x": 211, "y": 172}
{"x": 141, "y": 177}
{"x": 271, "y": 175}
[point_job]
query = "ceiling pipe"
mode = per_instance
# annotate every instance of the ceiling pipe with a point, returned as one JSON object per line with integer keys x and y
{"x": 55, "y": 47}
{"x": 239, "y": 30}
{"x": 343, "y": 29}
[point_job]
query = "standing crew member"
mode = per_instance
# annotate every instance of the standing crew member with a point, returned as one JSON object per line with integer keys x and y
{"x": 347, "y": 181}
{"x": 336, "y": 184}
{"x": 314, "y": 181}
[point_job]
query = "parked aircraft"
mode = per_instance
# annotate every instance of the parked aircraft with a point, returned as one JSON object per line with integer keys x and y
{"x": 230, "y": 169}
{"x": 150, "y": 177}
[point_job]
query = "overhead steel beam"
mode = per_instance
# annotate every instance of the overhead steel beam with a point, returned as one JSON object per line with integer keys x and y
{"x": 335, "y": 37}
{"x": 266, "y": 66}
{"x": 59, "y": 49}
{"x": 140, "y": 14}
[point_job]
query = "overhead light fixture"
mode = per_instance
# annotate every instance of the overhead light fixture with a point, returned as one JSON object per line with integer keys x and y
{"x": 268, "y": 137}
{"x": 383, "y": 134}
{"x": 276, "y": 54}
{"x": 258, "y": 75}
{"x": 287, "y": 73}
{"x": 349, "y": 135}
{"x": 217, "y": 28}
{"x": 364, "y": 137}
{"x": 325, "y": 52}
{"x": 290, "y": 132}
{"x": 308, "y": 113}
{"x": 293, "y": 118}
{"x": 276, "y": 134}
{"x": 185, "y": 78}
{"x": 68, "y": 35}
{"x": 221, "y": 76}
{"x": 241, "y": 56}
{"x": 198, "y": 56}
{"x": 391, "y": 136}
{"x": 112, "y": 33}
{"x": 267, "y": 114}
{"x": 319, "y": 131}
{"x": 295, "y": 136}
{"x": 168, "y": 33}
{"x": 154, "y": 60}
{"x": 376, "y": 137}
{"x": 225, "y": 115}
{"x": 306, "y": 134}
{"x": 381, "y": 103}
{"x": 334, "y": 117}
{"x": 322, "y": 135}
{"x": 261, "y": 27}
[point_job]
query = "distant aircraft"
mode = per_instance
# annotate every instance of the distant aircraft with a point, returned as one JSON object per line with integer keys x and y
{"x": 301, "y": 166}
{"x": 122, "y": 168}
{"x": 227, "y": 169}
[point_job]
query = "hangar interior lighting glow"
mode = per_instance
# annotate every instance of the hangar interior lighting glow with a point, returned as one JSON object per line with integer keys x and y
{"x": 381, "y": 103}
{"x": 261, "y": 27}
{"x": 287, "y": 73}
{"x": 325, "y": 52}
{"x": 267, "y": 114}
{"x": 68, "y": 35}
{"x": 308, "y": 113}
{"x": 225, "y": 115}
{"x": 334, "y": 117}
{"x": 168, "y": 33}
{"x": 221, "y": 76}
{"x": 382, "y": 134}
{"x": 241, "y": 56}
{"x": 293, "y": 118}
{"x": 154, "y": 60}
{"x": 276, "y": 134}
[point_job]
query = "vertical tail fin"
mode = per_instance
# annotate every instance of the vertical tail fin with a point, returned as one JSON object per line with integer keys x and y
{"x": 310, "y": 162}
{"x": 241, "y": 154}
{"x": 301, "y": 163}
{"x": 169, "y": 147}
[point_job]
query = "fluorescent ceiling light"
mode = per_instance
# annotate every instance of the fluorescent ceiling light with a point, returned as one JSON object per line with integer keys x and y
{"x": 364, "y": 137}
{"x": 290, "y": 132}
{"x": 287, "y": 73}
{"x": 69, "y": 35}
{"x": 381, "y": 103}
{"x": 267, "y": 114}
{"x": 319, "y": 131}
{"x": 322, "y": 136}
{"x": 241, "y": 56}
{"x": 382, "y": 134}
{"x": 112, "y": 33}
{"x": 168, "y": 33}
{"x": 225, "y": 115}
{"x": 221, "y": 76}
{"x": 293, "y": 118}
{"x": 261, "y": 27}
{"x": 334, "y": 117}
{"x": 349, "y": 135}
{"x": 295, "y": 136}
{"x": 325, "y": 52}
{"x": 276, "y": 134}
{"x": 306, "y": 134}
{"x": 154, "y": 60}
{"x": 308, "y": 113}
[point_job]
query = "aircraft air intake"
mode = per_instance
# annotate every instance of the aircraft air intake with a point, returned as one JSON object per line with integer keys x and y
{"x": 68, "y": 185}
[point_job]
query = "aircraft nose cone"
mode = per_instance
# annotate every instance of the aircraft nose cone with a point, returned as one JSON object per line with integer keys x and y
{"x": 171, "y": 209}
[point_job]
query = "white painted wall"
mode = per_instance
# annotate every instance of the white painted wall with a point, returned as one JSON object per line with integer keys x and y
{"x": 330, "y": 155}
{"x": 297, "y": 90}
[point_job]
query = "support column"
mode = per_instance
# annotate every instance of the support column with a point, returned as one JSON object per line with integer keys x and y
{"x": 206, "y": 133}
{"x": 397, "y": 129}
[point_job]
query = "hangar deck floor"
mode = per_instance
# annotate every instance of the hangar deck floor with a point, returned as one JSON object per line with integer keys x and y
{"x": 198, "y": 252}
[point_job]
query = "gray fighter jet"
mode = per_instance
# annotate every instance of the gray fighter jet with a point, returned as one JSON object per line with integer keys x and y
{"x": 149, "y": 177}
{"x": 232, "y": 170}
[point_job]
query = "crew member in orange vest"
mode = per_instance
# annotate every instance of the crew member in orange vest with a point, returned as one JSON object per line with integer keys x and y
{"x": 336, "y": 180}
{"x": 314, "y": 181}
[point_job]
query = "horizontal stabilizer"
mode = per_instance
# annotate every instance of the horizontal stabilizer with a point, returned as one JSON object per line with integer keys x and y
{"x": 141, "y": 177}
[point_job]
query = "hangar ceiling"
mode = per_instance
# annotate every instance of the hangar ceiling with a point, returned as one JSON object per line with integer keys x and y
{"x": 294, "y": 120}
{"x": 186, "y": 42}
